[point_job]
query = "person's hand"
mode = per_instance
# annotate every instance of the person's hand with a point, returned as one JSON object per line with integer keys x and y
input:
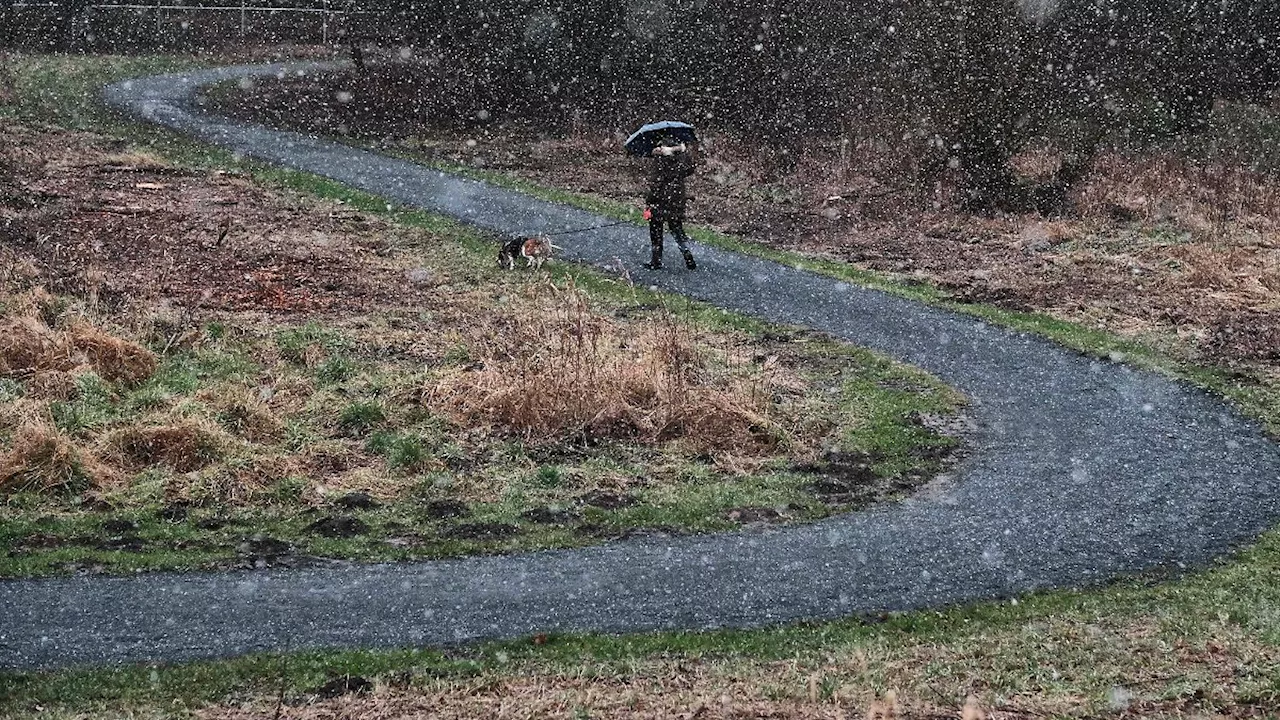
{"x": 648, "y": 214}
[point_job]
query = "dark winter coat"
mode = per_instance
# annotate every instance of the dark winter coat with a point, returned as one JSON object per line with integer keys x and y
{"x": 666, "y": 194}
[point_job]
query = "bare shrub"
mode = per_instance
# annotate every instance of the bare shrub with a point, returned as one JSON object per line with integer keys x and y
{"x": 557, "y": 370}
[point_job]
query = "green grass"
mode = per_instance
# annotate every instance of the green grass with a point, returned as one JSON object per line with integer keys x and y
{"x": 871, "y": 399}
{"x": 66, "y": 89}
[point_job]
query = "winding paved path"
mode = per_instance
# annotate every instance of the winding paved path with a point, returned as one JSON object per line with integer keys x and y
{"x": 1082, "y": 471}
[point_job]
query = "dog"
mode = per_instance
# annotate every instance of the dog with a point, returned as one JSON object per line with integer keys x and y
{"x": 535, "y": 251}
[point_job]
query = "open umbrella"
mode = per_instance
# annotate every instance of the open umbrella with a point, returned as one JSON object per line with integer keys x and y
{"x": 643, "y": 141}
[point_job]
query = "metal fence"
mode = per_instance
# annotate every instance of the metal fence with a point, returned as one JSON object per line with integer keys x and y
{"x": 107, "y": 26}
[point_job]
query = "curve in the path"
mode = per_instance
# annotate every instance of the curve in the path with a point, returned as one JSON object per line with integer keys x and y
{"x": 1083, "y": 470}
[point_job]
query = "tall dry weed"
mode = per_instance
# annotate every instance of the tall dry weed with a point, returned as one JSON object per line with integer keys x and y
{"x": 1210, "y": 199}
{"x": 184, "y": 446}
{"x": 557, "y": 370}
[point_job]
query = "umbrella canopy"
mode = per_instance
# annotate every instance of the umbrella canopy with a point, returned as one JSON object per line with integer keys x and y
{"x": 643, "y": 141}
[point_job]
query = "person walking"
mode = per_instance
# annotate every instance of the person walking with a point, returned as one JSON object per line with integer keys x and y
{"x": 666, "y": 199}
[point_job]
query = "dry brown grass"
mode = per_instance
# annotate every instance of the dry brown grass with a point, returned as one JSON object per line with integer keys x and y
{"x": 48, "y": 347}
{"x": 557, "y": 370}
{"x": 43, "y": 460}
{"x": 45, "y": 357}
{"x": 636, "y": 698}
{"x": 1211, "y": 199}
{"x": 184, "y": 446}
{"x": 241, "y": 481}
{"x": 112, "y": 358}
{"x": 246, "y": 414}
{"x": 1051, "y": 666}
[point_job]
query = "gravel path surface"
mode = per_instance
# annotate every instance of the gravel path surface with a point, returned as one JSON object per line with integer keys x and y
{"x": 1082, "y": 471}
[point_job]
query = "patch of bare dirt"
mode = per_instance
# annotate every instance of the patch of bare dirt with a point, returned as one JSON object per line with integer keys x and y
{"x": 85, "y": 219}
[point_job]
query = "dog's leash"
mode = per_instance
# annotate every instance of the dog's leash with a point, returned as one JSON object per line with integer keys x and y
{"x": 593, "y": 227}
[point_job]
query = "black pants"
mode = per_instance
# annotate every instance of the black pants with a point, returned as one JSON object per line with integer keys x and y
{"x": 675, "y": 223}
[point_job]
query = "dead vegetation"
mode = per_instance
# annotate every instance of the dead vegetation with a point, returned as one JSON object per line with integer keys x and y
{"x": 42, "y": 460}
{"x": 45, "y": 357}
{"x": 555, "y": 370}
{"x": 48, "y": 361}
{"x": 634, "y": 699}
{"x": 1183, "y": 660}
{"x": 120, "y": 228}
{"x": 183, "y": 447}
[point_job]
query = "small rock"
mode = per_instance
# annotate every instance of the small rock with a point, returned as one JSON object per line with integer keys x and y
{"x": 442, "y": 509}
{"x": 119, "y": 526}
{"x": 338, "y": 526}
{"x": 343, "y": 685}
{"x": 550, "y": 516}
{"x": 419, "y": 276}
{"x": 356, "y": 501}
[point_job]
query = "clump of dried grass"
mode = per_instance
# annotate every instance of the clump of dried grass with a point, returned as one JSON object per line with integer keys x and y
{"x": 236, "y": 482}
{"x": 1212, "y": 199}
{"x": 245, "y": 414}
{"x": 32, "y": 346}
{"x": 556, "y": 370}
{"x": 112, "y": 358}
{"x": 184, "y": 446}
{"x": 45, "y": 461}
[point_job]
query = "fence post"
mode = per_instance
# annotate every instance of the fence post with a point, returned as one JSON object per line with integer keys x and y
{"x": 242, "y": 14}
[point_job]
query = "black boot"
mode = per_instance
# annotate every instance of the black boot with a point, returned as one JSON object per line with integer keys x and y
{"x": 688, "y": 259}
{"x": 655, "y": 260}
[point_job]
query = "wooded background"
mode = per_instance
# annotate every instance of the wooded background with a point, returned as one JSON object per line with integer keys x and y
{"x": 958, "y": 83}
